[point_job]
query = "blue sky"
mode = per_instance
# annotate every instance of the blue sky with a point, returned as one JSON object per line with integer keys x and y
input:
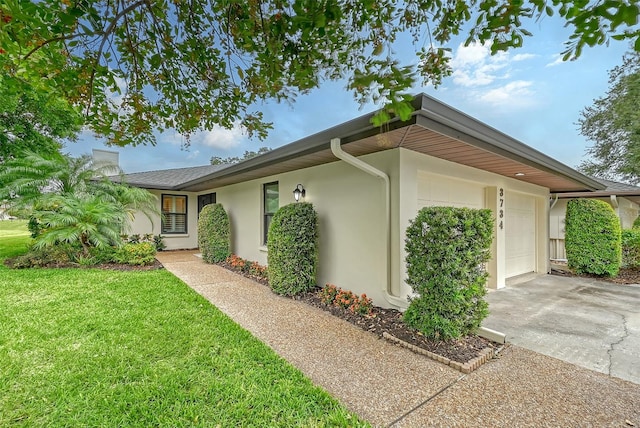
{"x": 527, "y": 93}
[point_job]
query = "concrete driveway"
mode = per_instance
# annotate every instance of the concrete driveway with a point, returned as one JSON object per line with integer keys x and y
{"x": 591, "y": 323}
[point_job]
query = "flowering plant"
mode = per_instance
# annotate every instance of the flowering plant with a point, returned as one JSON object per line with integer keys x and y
{"x": 332, "y": 295}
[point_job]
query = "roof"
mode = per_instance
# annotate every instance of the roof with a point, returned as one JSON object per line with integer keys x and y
{"x": 612, "y": 188}
{"x": 434, "y": 128}
{"x": 169, "y": 179}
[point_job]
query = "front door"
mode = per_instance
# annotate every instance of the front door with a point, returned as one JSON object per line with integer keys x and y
{"x": 209, "y": 198}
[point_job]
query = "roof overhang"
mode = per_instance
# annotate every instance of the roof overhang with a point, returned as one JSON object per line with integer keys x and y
{"x": 434, "y": 129}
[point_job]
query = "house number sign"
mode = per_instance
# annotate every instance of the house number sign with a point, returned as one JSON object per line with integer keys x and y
{"x": 501, "y": 212}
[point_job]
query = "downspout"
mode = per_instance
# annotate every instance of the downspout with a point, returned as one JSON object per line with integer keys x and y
{"x": 337, "y": 151}
{"x": 554, "y": 202}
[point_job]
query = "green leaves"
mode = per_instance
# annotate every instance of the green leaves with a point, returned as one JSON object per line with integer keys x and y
{"x": 293, "y": 249}
{"x": 196, "y": 65}
{"x": 214, "y": 233}
{"x": 446, "y": 249}
{"x": 612, "y": 124}
{"x": 592, "y": 237}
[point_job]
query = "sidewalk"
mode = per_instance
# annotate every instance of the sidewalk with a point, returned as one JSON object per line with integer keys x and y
{"x": 391, "y": 386}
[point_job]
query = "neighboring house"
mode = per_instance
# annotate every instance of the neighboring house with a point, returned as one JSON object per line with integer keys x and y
{"x": 366, "y": 184}
{"x": 624, "y": 198}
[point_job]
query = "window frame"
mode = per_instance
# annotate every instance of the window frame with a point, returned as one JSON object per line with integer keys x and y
{"x": 266, "y": 215}
{"x": 167, "y": 215}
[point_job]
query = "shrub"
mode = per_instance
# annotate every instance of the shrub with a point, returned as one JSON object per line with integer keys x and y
{"x": 58, "y": 255}
{"x": 592, "y": 237}
{"x": 214, "y": 235}
{"x": 333, "y": 296}
{"x": 156, "y": 240}
{"x": 446, "y": 251}
{"x": 246, "y": 267}
{"x": 140, "y": 254}
{"x": 631, "y": 248}
{"x": 293, "y": 249}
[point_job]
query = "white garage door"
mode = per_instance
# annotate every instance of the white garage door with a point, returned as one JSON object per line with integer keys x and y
{"x": 438, "y": 190}
{"x": 520, "y": 234}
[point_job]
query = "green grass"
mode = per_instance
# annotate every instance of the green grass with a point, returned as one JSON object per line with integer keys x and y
{"x": 86, "y": 347}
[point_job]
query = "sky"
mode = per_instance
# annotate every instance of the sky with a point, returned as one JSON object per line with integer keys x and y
{"x": 528, "y": 93}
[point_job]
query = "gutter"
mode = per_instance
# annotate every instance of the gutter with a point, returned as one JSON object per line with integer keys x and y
{"x": 336, "y": 149}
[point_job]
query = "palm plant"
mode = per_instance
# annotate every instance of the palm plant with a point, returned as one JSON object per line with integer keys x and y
{"x": 72, "y": 199}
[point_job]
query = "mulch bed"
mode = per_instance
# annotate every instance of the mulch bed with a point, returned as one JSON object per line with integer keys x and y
{"x": 624, "y": 277}
{"x": 106, "y": 266}
{"x": 390, "y": 321}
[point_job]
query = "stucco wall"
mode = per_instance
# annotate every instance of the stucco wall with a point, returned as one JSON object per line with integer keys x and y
{"x": 351, "y": 211}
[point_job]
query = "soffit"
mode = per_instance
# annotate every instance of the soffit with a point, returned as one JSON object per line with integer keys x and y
{"x": 419, "y": 139}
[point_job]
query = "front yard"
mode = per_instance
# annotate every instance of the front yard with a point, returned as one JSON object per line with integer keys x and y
{"x": 89, "y": 347}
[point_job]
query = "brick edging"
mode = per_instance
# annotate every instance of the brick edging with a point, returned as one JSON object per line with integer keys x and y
{"x": 485, "y": 355}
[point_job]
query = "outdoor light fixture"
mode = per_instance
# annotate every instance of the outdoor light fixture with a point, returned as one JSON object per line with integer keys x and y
{"x": 519, "y": 174}
{"x": 299, "y": 191}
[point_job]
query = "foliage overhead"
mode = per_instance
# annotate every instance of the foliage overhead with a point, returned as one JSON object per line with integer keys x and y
{"x": 139, "y": 65}
{"x": 72, "y": 199}
{"x": 33, "y": 120}
{"x": 446, "y": 250}
{"x": 248, "y": 154}
{"x": 612, "y": 123}
{"x": 592, "y": 237}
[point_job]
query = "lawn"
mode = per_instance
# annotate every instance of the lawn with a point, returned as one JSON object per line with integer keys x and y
{"x": 87, "y": 347}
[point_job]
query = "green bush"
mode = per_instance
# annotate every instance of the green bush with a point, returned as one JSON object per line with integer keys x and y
{"x": 140, "y": 254}
{"x": 58, "y": 255}
{"x": 293, "y": 249}
{"x": 446, "y": 250}
{"x": 592, "y": 237}
{"x": 631, "y": 248}
{"x": 214, "y": 233}
{"x": 636, "y": 223}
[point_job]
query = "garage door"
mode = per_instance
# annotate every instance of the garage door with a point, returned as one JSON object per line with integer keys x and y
{"x": 520, "y": 234}
{"x": 438, "y": 190}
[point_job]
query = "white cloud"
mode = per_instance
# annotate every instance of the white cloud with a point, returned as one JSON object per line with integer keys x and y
{"x": 220, "y": 138}
{"x": 473, "y": 65}
{"x": 514, "y": 94}
{"x": 557, "y": 61}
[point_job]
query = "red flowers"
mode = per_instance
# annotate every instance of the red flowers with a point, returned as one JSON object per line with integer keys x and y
{"x": 332, "y": 295}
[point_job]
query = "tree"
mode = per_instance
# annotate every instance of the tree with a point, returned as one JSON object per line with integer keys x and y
{"x": 136, "y": 66}
{"x": 248, "y": 154}
{"x": 32, "y": 120}
{"x": 612, "y": 123}
{"x": 72, "y": 199}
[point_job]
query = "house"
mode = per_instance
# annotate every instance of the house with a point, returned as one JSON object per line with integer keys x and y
{"x": 366, "y": 184}
{"x": 623, "y": 198}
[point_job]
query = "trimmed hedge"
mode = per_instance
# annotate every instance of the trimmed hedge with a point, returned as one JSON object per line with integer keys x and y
{"x": 631, "y": 248}
{"x": 214, "y": 233}
{"x": 293, "y": 249}
{"x": 446, "y": 250}
{"x": 636, "y": 223}
{"x": 592, "y": 237}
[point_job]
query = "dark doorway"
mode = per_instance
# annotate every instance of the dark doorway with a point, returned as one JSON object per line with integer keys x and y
{"x": 209, "y": 198}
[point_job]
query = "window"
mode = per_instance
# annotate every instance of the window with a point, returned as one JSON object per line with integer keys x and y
{"x": 174, "y": 214}
{"x": 271, "y": 204}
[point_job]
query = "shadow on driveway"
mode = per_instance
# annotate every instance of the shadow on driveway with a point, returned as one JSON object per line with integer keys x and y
{"x": 591, "y": 323}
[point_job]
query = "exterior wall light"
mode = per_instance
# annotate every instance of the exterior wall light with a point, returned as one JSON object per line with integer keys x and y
{"x": 299, "y": 191}
{"x": 519, "y": 174}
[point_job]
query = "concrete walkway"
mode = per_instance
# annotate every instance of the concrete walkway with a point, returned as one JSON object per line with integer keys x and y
{"x": 592, "y": 323}
{"x": 391, "y": 386}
